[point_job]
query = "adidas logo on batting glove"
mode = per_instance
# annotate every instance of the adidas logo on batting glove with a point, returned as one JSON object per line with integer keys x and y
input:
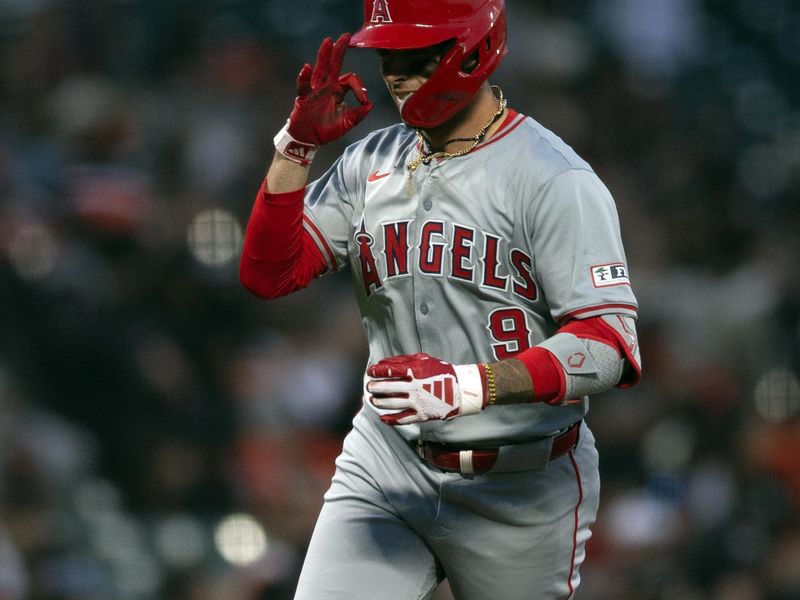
{"x": 419, "y": 387}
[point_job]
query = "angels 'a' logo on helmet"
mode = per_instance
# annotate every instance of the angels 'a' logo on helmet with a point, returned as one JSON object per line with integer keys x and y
{"x": 380, "y": 12}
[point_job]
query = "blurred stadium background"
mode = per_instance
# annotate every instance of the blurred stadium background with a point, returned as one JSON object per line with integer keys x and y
{"x": 163, "y": 435}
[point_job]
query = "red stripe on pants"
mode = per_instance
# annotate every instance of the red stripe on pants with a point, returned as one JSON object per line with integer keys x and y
{"x": 575, "y": 531}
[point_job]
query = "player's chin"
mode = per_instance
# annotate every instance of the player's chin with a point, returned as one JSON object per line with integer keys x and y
{"x": 400, "y": 100}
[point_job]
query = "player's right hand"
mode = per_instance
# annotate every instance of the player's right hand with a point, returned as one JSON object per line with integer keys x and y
{"x": 320, "y": 113}
{"x": 419, "y": 387}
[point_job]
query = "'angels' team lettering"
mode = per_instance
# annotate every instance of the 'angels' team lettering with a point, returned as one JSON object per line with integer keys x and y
{"x": 456, "y": 251}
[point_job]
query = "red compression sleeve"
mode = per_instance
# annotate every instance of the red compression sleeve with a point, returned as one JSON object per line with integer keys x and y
{"x": 279, "y": 255}
{"x": 547, "y": 374}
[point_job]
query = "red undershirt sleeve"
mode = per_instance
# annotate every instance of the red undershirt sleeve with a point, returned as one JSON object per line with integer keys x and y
{"x": 279, "y": 255}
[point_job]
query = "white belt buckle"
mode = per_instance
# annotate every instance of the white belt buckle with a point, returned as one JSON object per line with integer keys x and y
{"x": 465, "y": 462}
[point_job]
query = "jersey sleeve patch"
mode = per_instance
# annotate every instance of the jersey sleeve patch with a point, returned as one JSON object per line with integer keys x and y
{"x": 609, "y": 275}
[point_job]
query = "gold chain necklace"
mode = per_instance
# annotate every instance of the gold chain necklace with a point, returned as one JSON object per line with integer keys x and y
{"x": 427, "y": 157}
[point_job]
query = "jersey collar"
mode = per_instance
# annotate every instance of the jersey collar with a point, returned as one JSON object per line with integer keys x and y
{"x": 509, "y": 124}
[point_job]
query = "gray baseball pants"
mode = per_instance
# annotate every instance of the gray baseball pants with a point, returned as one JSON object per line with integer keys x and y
{"x": 392, "y": 526}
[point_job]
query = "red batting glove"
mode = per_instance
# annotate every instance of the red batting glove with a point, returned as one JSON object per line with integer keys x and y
{"x": 320, "y": 114}
{"x": 419, "y": 387}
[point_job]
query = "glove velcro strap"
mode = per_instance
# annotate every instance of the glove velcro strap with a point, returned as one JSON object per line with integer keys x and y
{"x": 472, "y": 388}
{"x": 296, "y": 151}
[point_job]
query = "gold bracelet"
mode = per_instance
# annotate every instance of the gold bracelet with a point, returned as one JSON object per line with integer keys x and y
{"x": 490, "y": 384}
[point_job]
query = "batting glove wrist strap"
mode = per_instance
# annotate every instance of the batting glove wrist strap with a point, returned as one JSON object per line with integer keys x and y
{"x": 471, "y": 383}
{"x": 294, "y": 150}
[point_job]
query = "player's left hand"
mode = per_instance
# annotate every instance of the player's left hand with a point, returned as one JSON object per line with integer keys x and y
{"x": 420, "y": 387}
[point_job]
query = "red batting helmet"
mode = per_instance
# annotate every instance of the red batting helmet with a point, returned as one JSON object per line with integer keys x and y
{"x": 476, "y": 26}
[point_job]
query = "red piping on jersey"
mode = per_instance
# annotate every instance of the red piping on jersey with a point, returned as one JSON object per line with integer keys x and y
{"x": 511, "y": 114}
{"x": 313, "y": 226}
{"x": 604, "y": 307}
{"x": 501, "y": 132}
{"x": 279, "y": 255}
{"x": 575, "y": 530}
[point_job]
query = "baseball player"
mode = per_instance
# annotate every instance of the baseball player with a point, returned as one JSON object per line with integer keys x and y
{"x": 492, "y": 284}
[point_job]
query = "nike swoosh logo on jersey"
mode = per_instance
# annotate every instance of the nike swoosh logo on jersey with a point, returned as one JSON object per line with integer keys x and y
{"x": 376, "y": 175}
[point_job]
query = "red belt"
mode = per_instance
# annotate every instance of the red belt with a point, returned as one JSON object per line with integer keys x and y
{"x": 467, "y": 461}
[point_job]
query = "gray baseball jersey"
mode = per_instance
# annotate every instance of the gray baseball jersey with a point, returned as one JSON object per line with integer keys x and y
{"x": 472, "y": 259}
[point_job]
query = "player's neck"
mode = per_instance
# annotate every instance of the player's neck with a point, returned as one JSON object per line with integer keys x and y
{"x": 467, "y": 123}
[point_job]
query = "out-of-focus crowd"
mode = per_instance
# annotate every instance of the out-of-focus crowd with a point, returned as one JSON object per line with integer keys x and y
{"x": 164, "y": 435}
